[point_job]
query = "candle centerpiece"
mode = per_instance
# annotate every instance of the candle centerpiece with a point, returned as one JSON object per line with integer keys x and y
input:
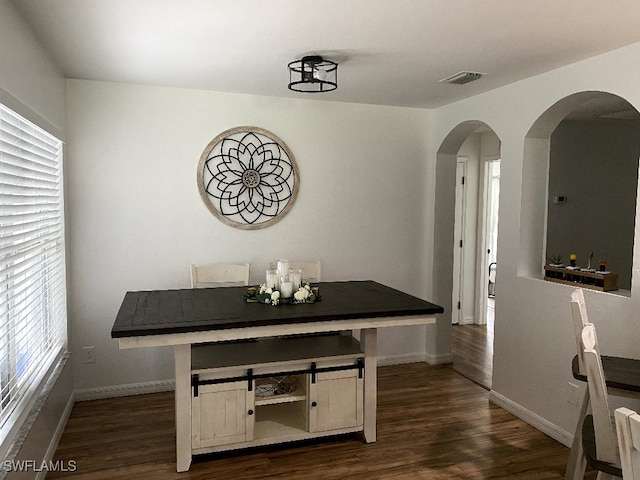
{"x": 282, "y": 285}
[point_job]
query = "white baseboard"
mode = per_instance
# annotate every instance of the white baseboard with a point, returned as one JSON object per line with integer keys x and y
{"x": 439, "y": 359}
{"x": 546, "y": 427}
{"x": 124, "y": 390}
{"x": 468, "y": 321}
{"x": 400, "y": 359}
{"x": 415, "y": 358}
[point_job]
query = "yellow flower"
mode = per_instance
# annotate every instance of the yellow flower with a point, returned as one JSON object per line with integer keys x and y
{"x": 573, "y": 256}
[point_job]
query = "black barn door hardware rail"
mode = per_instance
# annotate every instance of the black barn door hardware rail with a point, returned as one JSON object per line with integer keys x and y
{"x": 250, "y": 376}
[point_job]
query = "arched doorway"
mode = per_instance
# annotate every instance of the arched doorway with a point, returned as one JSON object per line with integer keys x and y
{"x": 467, "y": 172}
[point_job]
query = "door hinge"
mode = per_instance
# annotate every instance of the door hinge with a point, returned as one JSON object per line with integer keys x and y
{"x": 459, "y": 305}
{"x": 460, "y": 243}
{"x": 462, "y": 180}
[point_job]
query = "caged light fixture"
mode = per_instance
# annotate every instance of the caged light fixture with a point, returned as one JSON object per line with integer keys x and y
{"x": 313, "y": 74}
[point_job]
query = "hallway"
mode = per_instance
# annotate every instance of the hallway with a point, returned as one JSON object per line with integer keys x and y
{"x": 472, "y": 349}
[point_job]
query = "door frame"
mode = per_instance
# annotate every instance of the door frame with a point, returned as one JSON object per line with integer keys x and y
{"x": 484, "y": 213}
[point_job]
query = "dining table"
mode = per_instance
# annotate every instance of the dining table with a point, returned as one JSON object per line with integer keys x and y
{"x": 187, "y": 319}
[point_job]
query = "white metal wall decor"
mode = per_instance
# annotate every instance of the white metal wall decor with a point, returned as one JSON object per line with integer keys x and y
{"x": 248, "y": 178}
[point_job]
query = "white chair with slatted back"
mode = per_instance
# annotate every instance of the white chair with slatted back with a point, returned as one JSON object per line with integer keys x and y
{"x": 598, "y": 436}
{"x": 580, "y": 319}
{"x": 311, "y": 271}
{"x": 628, "y": 427}
{"x": 219, "y": 274}
{"x": 577, "y": 462}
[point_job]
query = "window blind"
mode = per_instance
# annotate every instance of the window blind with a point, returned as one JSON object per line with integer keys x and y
{"x": 33, "y": 321}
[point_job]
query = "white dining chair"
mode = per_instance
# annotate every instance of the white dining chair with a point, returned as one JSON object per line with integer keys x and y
{"x": 311, "y": 271}
{"x": 577, "y": 463}
{"x": 219, "y": 274}
{"x": 628, "y": 430}
{"x": 598, "y": 435}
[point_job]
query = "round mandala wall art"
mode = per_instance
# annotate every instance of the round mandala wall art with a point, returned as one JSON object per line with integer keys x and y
{"x": 248, "y": 178}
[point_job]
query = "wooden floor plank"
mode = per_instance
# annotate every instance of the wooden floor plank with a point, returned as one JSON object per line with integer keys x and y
{"x": 432, "y": 424}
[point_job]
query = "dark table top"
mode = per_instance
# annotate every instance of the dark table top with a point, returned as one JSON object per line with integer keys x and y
{"x": 160, "y": 312}
{"x": 619, "y": 372}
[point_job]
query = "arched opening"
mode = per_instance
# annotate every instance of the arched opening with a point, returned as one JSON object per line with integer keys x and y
{"x": 581, "y": 165}
{"x": 467, "y": 171}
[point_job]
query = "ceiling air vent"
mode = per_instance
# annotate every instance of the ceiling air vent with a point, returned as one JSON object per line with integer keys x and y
{"x": 461, "y": 78}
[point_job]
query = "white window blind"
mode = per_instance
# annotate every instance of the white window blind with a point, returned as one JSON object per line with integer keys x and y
{"x": 33, "y": 320}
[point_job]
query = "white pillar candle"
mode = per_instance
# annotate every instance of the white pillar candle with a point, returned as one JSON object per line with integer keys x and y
{"x": 286, "y": 288}
{"x": 296, "y": 278}
{"x": 283, "y": 268}
{"x": 272, "y": 278}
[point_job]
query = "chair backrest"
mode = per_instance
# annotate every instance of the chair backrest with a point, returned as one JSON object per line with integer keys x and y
{"x": 605, "y": 438}
{"x": 311, "y": 271}
{"x": 219, "y": 274}
{"x": 628, "y": 427}
{"x": 580, "y": 319}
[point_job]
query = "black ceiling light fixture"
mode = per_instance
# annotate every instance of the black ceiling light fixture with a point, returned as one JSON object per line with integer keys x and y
{"x": 313, "y": 74}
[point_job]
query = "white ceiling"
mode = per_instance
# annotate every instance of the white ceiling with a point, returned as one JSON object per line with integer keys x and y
{"x": 390, "y": 52}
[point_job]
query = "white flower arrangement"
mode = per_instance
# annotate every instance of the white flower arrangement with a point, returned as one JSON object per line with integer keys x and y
{"x": 272, "y": 296}
{"x": 302, "y": 294}
{"x": 269, "y": 295}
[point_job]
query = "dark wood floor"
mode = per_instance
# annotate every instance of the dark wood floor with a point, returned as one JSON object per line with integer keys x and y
{"x": 432, "y": 424}
{"x": 472, "y": 349}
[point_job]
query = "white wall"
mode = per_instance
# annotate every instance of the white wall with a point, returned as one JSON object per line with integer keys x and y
{"x": 31, "y": 85}
{"x": 534, "y": 340}
{"x": 30, "y": 82}
{"x": 137, "y": 220}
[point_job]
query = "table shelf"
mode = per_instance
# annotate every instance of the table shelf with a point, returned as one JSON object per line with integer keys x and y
{"x": 272, "y": 351}
{"x": 299, "y": 394}
{"x": 285, "y": 398}
{"x": 278, "y": 422}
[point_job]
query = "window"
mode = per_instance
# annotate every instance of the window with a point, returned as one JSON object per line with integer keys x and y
{"x": 33, "y": 321}
{"x": 579, "y": 187}
{"x": 593, "y": 182}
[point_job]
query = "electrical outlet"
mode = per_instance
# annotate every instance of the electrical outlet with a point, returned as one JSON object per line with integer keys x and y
{"x": 573, "y": 394}
{"x": 89, "y": 354}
